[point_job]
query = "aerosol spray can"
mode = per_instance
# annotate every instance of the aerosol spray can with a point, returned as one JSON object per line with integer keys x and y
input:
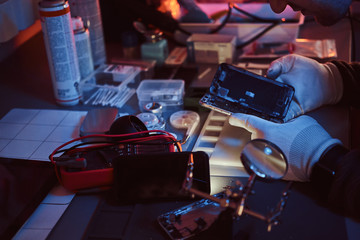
{"x": 83, "y": 47}
{"x": 61, "y": 51}
{"x": 89, "y": 11}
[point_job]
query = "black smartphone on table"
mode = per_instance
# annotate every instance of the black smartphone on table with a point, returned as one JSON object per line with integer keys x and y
{"x": 237, "y": 90}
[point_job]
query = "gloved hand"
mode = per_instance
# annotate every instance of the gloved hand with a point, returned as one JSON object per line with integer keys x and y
{"x": 315, "y": 84}
{"x": 302, "y": 140}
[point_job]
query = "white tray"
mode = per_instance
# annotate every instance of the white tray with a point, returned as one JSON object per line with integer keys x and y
{"x": 286, "y": 32}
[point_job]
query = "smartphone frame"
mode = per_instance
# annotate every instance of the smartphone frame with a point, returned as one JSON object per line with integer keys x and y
{"x": 237, "y": 90}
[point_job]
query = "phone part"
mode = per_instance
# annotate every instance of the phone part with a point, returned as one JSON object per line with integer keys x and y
{"x": 236, "y": 90}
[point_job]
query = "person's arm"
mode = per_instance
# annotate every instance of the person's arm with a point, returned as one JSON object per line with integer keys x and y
{"x": 350, "y": 73}
{"x": 313, "y": 155}
{"x": 343, "y": 194}
{"x": 336, "y": 178}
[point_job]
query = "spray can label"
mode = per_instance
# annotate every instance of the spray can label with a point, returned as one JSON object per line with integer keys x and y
{"x": 83, "y": 47}
{"x": 61, "y": 51}
{"x": 89, "y": 11}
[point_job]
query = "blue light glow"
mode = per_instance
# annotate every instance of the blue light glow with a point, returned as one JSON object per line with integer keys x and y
{"x": 267, "y": 151}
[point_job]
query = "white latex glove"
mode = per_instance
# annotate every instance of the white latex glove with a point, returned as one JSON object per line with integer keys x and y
{"x": 302, "y": 140}
{"x": 315, "y": 84}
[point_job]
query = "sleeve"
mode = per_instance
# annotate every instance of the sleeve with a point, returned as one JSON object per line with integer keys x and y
{"x": 336, "y": 177}
{"x": 344, "y": 195}
{"x": 350, "y": 73}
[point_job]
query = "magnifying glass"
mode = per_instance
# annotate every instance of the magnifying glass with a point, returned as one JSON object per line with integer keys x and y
{"x": 264, "y": 159}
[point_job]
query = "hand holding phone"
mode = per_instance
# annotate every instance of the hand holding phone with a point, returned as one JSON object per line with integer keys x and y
{"x": 236, "y": 90}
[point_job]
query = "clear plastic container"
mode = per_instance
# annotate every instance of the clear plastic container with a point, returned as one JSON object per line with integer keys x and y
{"x": 166, "y": 92}
{"x": 110, "y": 85}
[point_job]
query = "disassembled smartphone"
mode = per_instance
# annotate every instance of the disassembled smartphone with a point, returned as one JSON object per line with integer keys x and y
{"x": 190, "y": 220}
{"x": 236, "y": 90}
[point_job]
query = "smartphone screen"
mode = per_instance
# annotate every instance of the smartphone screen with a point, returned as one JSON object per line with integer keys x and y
{"x": 236, "y": 90}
